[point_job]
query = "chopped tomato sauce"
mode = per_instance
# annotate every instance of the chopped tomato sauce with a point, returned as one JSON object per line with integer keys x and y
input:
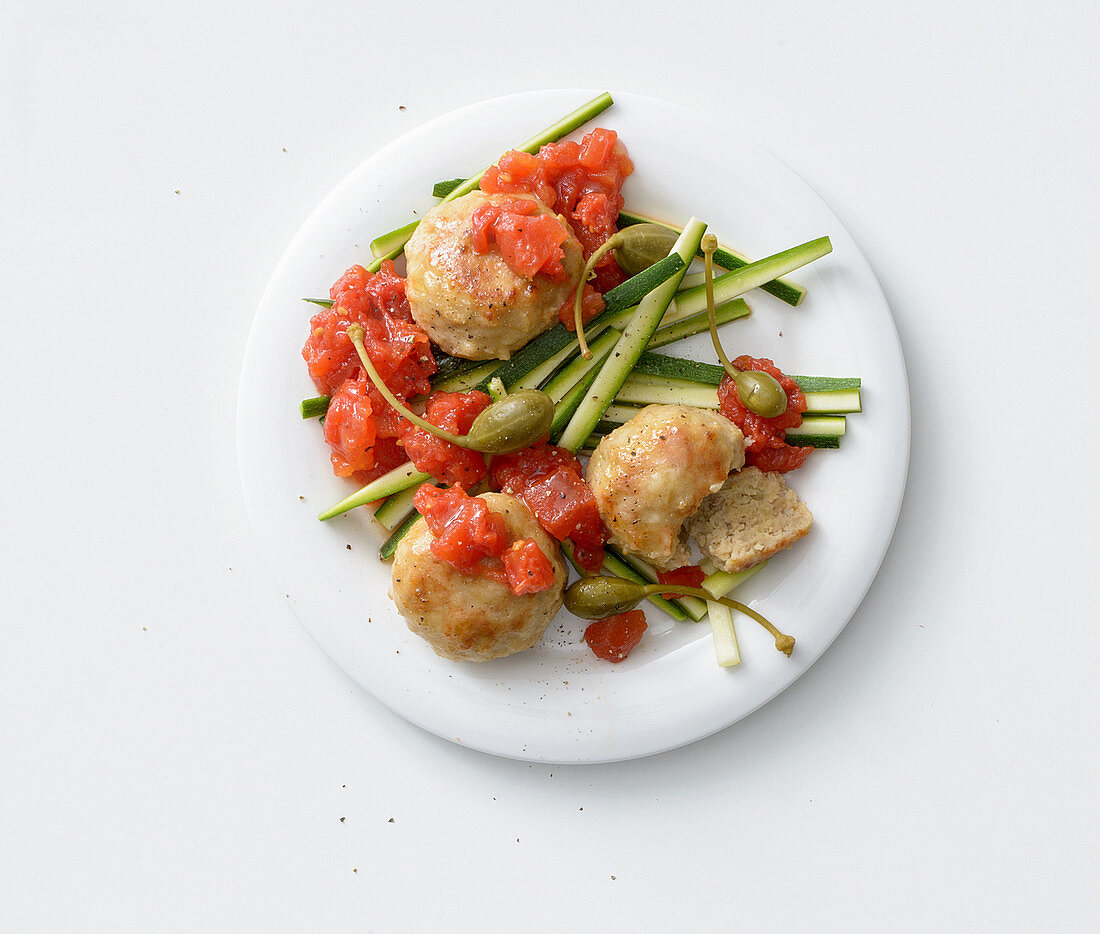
{"x": 528, "y": 570}
{"x": 361, "y": 427}
{"x": 473, "y": 539}
{"x": 349, "y": 429}
{"x": 455, "y": 412}
{"x": 613, "y": 638}
{"x": 581, "y": 181}
{"x": 530, "y": 243}
{"x": 765, "y": 438}
{"x": 689, "y": 576}
{"x": 549, "y": 480}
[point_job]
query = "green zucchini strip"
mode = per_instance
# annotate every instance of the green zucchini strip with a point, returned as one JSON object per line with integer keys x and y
{"x": 389, "y": 546}
{"x": 400, "y": 478}
{"x": 635, "y": 337}
{"x": 397, "y": 239}
{"x": 444, "y": 188}
{"x": 726, "y": 258}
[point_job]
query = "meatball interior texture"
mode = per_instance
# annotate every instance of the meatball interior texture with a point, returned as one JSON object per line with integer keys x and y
{"x": 467, "y": 617}
{"x": 652, "y": 473}
{"x": 754, "y": 516}
{"x": 472, "y": 304}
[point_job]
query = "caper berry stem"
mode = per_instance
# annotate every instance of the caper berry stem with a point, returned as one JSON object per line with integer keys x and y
{"x": 613, "y": 241}
{"x": 355, "y": 335}
{"x": 596, "y": 597}
{"x": 761, "y": 393}
{"x": 709, "y": 244}
{"x": 783, "y": 642}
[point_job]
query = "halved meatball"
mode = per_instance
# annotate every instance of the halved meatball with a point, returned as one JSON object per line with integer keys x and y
{"x": 468, "y": 617}
{"x": 754, "y": 516}
{"x": 652, "y": 473}
{"x": 472, "y": 304}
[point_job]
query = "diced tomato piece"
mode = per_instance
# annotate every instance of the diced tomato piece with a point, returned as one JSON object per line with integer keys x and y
{"x": 388, "y": 454}
{"x": 454, "y": 412}
{"x": 549, "y": 481}
{"x": 529, "y": 243}
{"x": 581, "y": 181}
{"x": 613, "y": 638}
{"x": 465, "y": 530}
{"x": 510, "y": 473}
{"x": 527, "y": 568}
{"x": 559, "y": 500}
{"x": 349, "y": 429}
{"x": 688, "y": 576}
{"x": 597, "y": 147}
{"x": 765, "y": 438}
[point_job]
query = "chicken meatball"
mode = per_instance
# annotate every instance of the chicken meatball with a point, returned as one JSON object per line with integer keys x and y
{"x": 468, "y": 617}
{"x": 472, "y": 304}
{"x": 652, "y": 473}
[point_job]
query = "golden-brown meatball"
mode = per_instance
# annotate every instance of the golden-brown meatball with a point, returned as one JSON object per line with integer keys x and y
{"x": 472, "y": 304}
{"x": 467, "y": 617}
{"x": 650, "y": 474}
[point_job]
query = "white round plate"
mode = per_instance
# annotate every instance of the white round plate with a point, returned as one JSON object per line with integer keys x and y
{"x": 557, "y": 702}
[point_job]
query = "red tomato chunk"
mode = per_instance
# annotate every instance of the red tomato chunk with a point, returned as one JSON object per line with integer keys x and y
{"x": 465, "y": 530}
{"x": 528, "y": 570}
{"x": 361, "y": 427}
{"x": 473, "y": 539}
{"x": 529, "y": 243}
{"x": 581, "y": 181}
{"x": 689, "y": 576}
{"x": 549, "y": 481}
{"x": 455, "y": 412}
{"x": 613, "y": 638}
{"x": 765, "y": 438}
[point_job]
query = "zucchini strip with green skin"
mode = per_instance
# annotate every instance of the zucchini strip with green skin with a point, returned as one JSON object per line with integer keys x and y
{"x": 719, "y": 584}
{"x": 728, "y": 259}
{"x": 635, "y": 337}
{"x": 563, "y": 127}
{"x": 389, "y": 546}
{"x": 443, "y": 188}
{"x": 400, "y": 478}
{"x": 397, "y": 506}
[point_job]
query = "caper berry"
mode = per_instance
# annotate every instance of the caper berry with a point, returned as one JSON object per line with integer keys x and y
{"x": 597, "y": 597}
{"x": 514, "y": 422}
{"x": 642, "y": 245}
{"x": 761, "y": 393}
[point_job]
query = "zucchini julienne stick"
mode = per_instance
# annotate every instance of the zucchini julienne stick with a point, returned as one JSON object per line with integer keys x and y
{"x": 635, "y": 337}
{"x": 728, "y": 259}
{"x": 398, "y": 479}
{"x": 566, "y": 125}
{"x": 816, "y": 431}
{"x": 726, "y": 651}
{"x": 737, "y": 282}
{"x": 399, "y": 531}
{"x": 444, "y": 188}
{"x": 314, "y": 408}
{"x": 719, "y": 584}
{"x": 696, "y": 324}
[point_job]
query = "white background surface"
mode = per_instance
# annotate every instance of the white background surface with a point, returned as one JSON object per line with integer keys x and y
{"x": 178, "y": 754}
